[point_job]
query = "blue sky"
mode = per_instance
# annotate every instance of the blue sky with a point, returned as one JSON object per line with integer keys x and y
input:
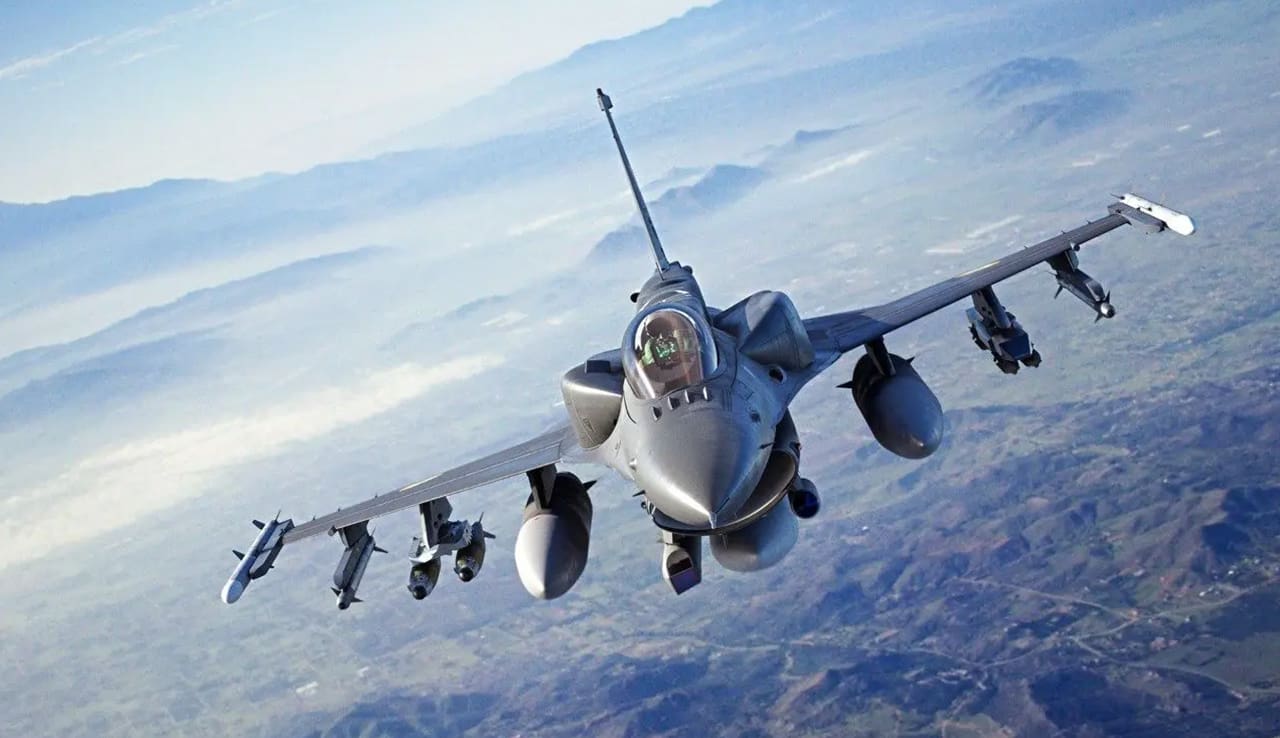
{"x": 101, "y": 95}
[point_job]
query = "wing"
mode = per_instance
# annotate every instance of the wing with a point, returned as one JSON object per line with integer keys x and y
{"x": 835, "y": 334}
{"x": 544, "y": 450}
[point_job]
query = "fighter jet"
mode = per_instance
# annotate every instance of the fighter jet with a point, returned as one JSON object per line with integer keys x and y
{"x": 692, "y": 408}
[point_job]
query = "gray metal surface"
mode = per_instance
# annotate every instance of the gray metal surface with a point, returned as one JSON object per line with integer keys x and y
{"x": 693, "y": 407}
{"x": 543, "y": 450}
{"x": 840, "y": 332}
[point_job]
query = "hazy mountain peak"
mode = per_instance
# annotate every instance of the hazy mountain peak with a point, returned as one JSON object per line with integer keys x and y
{"x": 1024, "y": 74}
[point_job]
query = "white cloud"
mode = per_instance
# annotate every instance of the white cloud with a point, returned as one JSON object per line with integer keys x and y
{"x": 260, "y": 17}
{"x": 100, "y": 44}
{"x": 541, "y": 223}
{"x": 1089, "y": 161}
{"x": 855, "y": 158}
{"x": 168, "y": 22}
{"x": 116, "y": 487}
{"x": 23, "y": 67}
{"x": 506, "y": 320}
{"x": 973, "y": 238}
{"x": 140, "y": 55}
{"x": 981, "y": 231}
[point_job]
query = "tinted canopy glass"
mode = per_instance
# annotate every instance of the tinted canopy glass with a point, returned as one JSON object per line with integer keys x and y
{"x": 670, "y": 349}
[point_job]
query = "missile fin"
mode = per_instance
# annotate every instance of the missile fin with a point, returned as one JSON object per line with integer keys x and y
{"x": 238, "y": 554}
{"x": 379, "y": 549}
{"x": 259, "y": 524}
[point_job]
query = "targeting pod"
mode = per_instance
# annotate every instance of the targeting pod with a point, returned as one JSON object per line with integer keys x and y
{"x": 681, "y": 561}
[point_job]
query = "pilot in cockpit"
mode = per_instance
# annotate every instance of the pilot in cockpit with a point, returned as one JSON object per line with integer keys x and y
{"x": 670, "y": 354}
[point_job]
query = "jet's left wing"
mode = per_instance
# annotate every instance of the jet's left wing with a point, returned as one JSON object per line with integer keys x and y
{"x": 837, "y": 333}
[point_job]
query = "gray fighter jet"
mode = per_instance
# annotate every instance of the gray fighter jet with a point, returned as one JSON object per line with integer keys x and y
{"x": 693, "y": 408}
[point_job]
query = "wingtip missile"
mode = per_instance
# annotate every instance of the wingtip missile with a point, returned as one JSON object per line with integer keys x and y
{"x": 1179, "y": 223}
{"x": 258, "y": 560}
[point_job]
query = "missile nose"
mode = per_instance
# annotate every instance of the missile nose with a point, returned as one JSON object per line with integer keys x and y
{"x": 232, "y": 591}
{"x": 1182, "y": 224}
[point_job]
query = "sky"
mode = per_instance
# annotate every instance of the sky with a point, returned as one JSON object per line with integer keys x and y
{"x": 98, "y": 96}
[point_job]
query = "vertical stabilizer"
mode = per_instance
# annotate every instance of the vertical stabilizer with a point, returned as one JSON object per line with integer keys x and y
{"x": 659, "y": 257}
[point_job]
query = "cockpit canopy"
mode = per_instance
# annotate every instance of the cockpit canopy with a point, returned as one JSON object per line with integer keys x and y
{"x": 667, "y": 349}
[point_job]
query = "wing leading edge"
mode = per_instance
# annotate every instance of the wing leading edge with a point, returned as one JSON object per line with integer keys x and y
{"x": 546, "y": 449}
{"x": 841, "y": 332}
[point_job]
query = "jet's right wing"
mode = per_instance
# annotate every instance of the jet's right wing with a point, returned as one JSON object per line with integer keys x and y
{"x": 351, "y": 523}
{"x": 544, "y": 450}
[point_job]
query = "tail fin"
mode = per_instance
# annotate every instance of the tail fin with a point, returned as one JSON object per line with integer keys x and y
{"x": 659, "y": 257}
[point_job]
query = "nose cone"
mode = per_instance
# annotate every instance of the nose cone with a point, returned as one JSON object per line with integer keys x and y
{"x": 700, "y": 468}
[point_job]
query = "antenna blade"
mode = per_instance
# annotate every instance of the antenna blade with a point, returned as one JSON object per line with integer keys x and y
{"x": 659, "y": 256}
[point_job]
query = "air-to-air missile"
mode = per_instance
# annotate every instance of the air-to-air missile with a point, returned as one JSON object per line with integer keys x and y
{"x": 257, "y": 561}
{"x": 1179, "y": 223}
{"x": 355, "y": 559}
